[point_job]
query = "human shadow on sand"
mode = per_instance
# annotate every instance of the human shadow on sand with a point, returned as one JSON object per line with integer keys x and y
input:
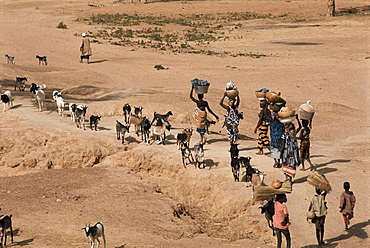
{"x": 321, "y": 171}
{"x": 97, "y": 61}
{"x": 356, "y": 230}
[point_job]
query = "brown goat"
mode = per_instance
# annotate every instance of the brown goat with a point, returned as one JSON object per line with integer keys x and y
{"x": 136, "y": 121}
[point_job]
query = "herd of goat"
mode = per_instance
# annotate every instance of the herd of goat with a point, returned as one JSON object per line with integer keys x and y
{"x": 149, "y": 130}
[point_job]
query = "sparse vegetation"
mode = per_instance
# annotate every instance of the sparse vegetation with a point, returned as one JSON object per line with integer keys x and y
{"x": 62, "y": 25}
{"x": 199, "y": 30}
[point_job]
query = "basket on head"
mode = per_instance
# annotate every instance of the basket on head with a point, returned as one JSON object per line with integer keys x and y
{"x": 286, "y": 114}
{"x": 273, "y": 97}
{"x": 232, "y": 93}
{"x": 306, "y": 111}
{"x": 319, "y": 181}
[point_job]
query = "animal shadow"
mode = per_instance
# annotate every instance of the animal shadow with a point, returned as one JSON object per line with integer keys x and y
{"x": 210, "y": 163}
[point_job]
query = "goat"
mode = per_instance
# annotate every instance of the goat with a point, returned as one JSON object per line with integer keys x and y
{"x": 159, "y": 131}
{"x": 184, "y": 137}
{"x": 186, "y": 154}
{"x": 56, "y": 94}
{"x": 80, "y": 116}
{"x": 5, "y": 223}
{"x": 209, "y": 123}
{"x": 94, "y": 233}
{"x": 7, "y": 98}
{"x": 94, "y": 120}
{"x": 9, "y": 59}
{"x": 121, "y": 130}
{"x": 34, "y": 87}
{"x": 72, "y": 109}
{"x": 20, "y": 82}
{"x": 40, "y": 98}
{"x": 138, "y": 111}
{"x": 163, "y": 118}
{"x": 269, "y": 211}
{"x": 61, "y": 105}
{"x": 257, "y": 180}
{"x": 42, "y": 60}
{"x": 126, "y": 113}
{"x": 145, "y": 129}
{"x": 247, "y": 174}
{"x": 199, "y": 155}
{"x": 235, "y": 165}
{"x": 136, "y": 121}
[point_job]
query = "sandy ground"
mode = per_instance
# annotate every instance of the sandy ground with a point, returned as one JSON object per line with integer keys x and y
{"x": 56, "y": 178}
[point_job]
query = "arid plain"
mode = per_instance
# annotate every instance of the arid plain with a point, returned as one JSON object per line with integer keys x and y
{"x": 56, "y": 178}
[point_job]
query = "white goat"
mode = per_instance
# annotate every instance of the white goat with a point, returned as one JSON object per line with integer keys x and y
{"x": 80, "y": 116}
{"x": 7, "y": 98}
{"x": 257, "y": 180}
{"x": 72, "y": 109}
{"x": 60, "y": 104}
{"x": 158, "y": 131}
{"x": 40, "y": 98}
{"x": 5, "y": 223}
{"x": 94, "y": 232}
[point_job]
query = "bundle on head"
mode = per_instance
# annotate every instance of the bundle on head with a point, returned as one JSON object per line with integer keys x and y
{"x": 319, "y": 181}
{"x": 265, "y": 193}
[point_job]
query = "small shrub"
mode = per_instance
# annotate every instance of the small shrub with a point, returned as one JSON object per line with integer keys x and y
{"x": 62, "y": 25}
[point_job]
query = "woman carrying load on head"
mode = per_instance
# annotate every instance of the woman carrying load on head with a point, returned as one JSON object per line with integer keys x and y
{"x": 290, "y": 152}
{"x": 232, "y": 117}
{"x": 262, "y": 126}
{"x": 200, "y": 114}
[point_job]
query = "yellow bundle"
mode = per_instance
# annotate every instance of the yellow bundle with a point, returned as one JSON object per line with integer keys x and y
{"x": 319, "y": 181}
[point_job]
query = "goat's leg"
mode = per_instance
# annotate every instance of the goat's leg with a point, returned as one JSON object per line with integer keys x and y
{"x": 11, "y": 233}
{"x": 105, "y": 243}
{"x": 252, "y": 191}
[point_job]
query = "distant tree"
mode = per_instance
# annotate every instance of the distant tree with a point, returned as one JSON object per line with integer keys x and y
{"x": 331, "y": 7}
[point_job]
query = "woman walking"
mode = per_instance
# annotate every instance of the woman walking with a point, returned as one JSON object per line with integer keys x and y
{"x": 263, "y": 126}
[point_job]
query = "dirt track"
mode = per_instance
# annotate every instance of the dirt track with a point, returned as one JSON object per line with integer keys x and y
{"x": 56, "y": 178}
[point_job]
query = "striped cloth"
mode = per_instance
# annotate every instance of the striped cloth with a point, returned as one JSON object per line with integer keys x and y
{"x": 263, "y": 138}
{"x": 289, "y": 170}
{"x": 200, "y": 118}
{"x": 304, "y": 149}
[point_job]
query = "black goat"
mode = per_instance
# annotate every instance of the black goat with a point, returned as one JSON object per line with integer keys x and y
{"x": 145, "y": 130}
{"x": 138, "y": 111}
{"x": 20, "y": 82}
{"x": 42, "y": 60}
{"x": 5, "y": 223}
{"x": 121, "y": 130}
{"x": 126, "y": 113}
{"x": 94, "y": 120}
{"x": 235, "y": 164}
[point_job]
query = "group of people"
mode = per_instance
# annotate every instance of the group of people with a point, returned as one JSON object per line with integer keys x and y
{"x": 283, "y": 145}
{"x": 317, "y": 205}
{"x": 286, "y": 152}
{"x": 232, "y": 115}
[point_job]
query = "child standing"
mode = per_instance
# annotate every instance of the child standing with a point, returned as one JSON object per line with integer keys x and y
{"x": 347, "y": 204}
{"x": 281, "y": 220}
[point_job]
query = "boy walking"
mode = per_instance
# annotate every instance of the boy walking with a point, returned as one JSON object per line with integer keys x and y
{"x": 318, "y": 205}
{"x": 347, "y": 204}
